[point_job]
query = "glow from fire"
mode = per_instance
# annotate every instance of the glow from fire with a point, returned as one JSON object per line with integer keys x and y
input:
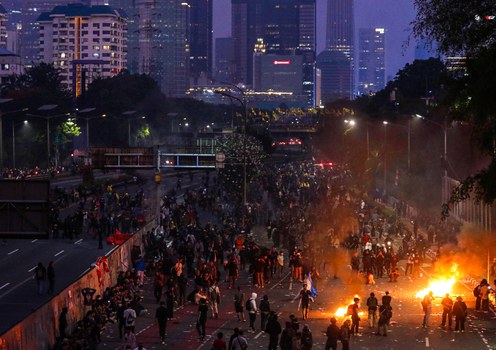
{"x": 343, "y": 311}
{"x": 441, "y": 286}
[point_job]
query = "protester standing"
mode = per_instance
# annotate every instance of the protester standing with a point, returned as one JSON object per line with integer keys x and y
{"x": 251, "y": 308}
{"x": 447, "y": 304}
{"x": 372, "y": 303}
{"x": 40, "y": 277}
{"x": 161, "y": 315}
{"x": 201, "y": 323}
{"x": 333, "y": 334}
{"x": 460, "y": 312}
{"x": 273, "y": 328}
{"x": 264, "y": 312}
{"x": 239, "y": 300}
{"x": 427, "y": 308}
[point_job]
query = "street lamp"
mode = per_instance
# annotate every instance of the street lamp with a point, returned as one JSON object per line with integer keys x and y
{"x": 87, "y": 119}
{"x": 14, "y": 124}
{"x": 128, "y": 114}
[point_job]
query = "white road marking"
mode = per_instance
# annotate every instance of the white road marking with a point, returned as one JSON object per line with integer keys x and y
{"x": 82, "y": 273}
{"x": 34, "y": 240}
{"x": 12, "y": 252}
{"x": 258, "y": 335}
{"x": 31, "y": 269}
{"x": 426, "y": 342}
{"x": 5, "y": 285}
{"x": 59, "y": 253}
{"x": 78, "y": 241}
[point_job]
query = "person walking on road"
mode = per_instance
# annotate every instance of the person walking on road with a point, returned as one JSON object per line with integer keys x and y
{"x": 161, "y": 315}
{"x": 305, "y": 297}
{"x": 51, "y": 278}
{"x": 447, "y": 304}
{"x": 427, "y": 308}
{"x": 201, "y": 323}
{"x": 332, "y": 334}
{"x": 214, "y": 299}
{"x": 264, "y": 312}
{"x": 130, "y": 318}
{"x": 238, "y": 342}
{"x": 273, "y": 328}
{"x": 460, "y": 312}
{"x": 239, "y": 302}
{"x": 385, "y": 314}
{"x": 372, "y": 303}
{"x": 355, "y": 318}
{"x": 40, "y": 277}
{"x": 251, "y": 308}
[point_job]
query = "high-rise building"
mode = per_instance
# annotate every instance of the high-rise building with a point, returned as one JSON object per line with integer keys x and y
{"x": 340, "y": 36}
{"x": 371, "y": 60}
{"x": 84, "y": 42}
{"x": 200, "y": 41}
{"x": 3, "y": 27}
{"x": 158, "y": 41}
{"x": 274, "y": 27}
{"x": 336, "y": 80}
{"x": 223, "y": 59}
{"x": 29, "y": 28}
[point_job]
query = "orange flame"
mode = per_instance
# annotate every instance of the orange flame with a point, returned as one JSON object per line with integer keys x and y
{"x": 343, "y": 310}
{"x": 441, "y": 286}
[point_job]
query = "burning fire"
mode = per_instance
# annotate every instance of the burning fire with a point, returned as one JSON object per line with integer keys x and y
{"x": 441, "y": 286}
{"x": 343, "y": 311}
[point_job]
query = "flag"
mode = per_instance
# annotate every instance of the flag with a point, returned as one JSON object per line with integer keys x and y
{"x": 310, "y": 286}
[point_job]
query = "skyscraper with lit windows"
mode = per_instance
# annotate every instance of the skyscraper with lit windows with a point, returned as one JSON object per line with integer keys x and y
{"x": 371, "y": 60}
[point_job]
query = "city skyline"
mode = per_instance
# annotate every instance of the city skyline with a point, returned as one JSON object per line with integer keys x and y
{"x": 393, "y": 15}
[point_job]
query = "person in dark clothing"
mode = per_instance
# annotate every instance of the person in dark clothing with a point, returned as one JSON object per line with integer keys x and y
{"x": 169, "y": 296}
{"x": 162, "y": 315}
{"x": 201, "y": 323}
{"x": 286, "y": 341}
{"x": 63, "y": 322}
{"x": 120, "y": 319}
{"x": 273, "y": 328}
{"x": 332, "y": 335}
{"x": 460, "y": 312}
{"x": 344, "y": 335}
{"x": 264, "y": 312}
{"x": 40, "y": 277}
{"x": 355, "y": 318}
{"x": 182, "y": 282}
{"x": 305, "y": 297}
{"x": 51, "y": 277}
{"x": 386, "y": 299}
{"x": 306, "y": 338}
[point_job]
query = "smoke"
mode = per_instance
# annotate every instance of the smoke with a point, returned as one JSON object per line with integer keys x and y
{"x": 470, "y": 254}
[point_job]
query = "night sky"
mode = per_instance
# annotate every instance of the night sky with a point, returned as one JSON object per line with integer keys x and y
{"x": 394, "y": 15}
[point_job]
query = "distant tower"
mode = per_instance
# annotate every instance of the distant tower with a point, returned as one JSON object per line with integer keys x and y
{"x": 340, "y": 37}
{"x": 158, "y": 41}
{"x": 371, "y": 60}
{"x": 200, "y": 41}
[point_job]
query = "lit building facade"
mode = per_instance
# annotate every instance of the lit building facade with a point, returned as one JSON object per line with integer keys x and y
{"x": 84, "y": 42}
{"x": 223, "y": 59}
{"x": 335, "y": 77}
{"x": 274, "y": 27}
{"x": 371, "y": 60}
{"x": 158, "y": 41}
{"x": 200, "y": 41}
{"x": 340, "y": 36}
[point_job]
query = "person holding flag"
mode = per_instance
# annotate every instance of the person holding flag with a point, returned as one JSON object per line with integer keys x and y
{"x": 305, "y": 298}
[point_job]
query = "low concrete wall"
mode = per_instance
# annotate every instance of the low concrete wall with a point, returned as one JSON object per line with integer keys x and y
{"x": 40, "y": 329}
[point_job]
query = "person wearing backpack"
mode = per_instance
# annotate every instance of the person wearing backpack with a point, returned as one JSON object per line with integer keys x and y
{"x": 214, "y": 299}
{"x": 251, "y": 308}
{"x": 130, "y": 318}
{"x": 372, "y": 303}
{"x": 477, "y": 295}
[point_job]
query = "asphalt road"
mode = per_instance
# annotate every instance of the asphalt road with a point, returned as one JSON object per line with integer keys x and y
{"x": 18, "y": 259}
{"x": 405, "y": 331}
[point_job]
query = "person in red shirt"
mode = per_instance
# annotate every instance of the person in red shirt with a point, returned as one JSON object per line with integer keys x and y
{"x": 219, "y": 343}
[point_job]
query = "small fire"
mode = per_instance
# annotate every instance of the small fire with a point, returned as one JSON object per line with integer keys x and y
{"x": 343, "y": 311}
{"x": 441, "y": 286}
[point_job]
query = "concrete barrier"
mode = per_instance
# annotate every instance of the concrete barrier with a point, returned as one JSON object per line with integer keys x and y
{"x": 40, "y": 329}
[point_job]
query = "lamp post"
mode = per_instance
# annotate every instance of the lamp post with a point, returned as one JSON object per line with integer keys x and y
{"x": 14, "y": 124}
{"x": 128, "y": 114}
{"x": 87, "y": 119}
